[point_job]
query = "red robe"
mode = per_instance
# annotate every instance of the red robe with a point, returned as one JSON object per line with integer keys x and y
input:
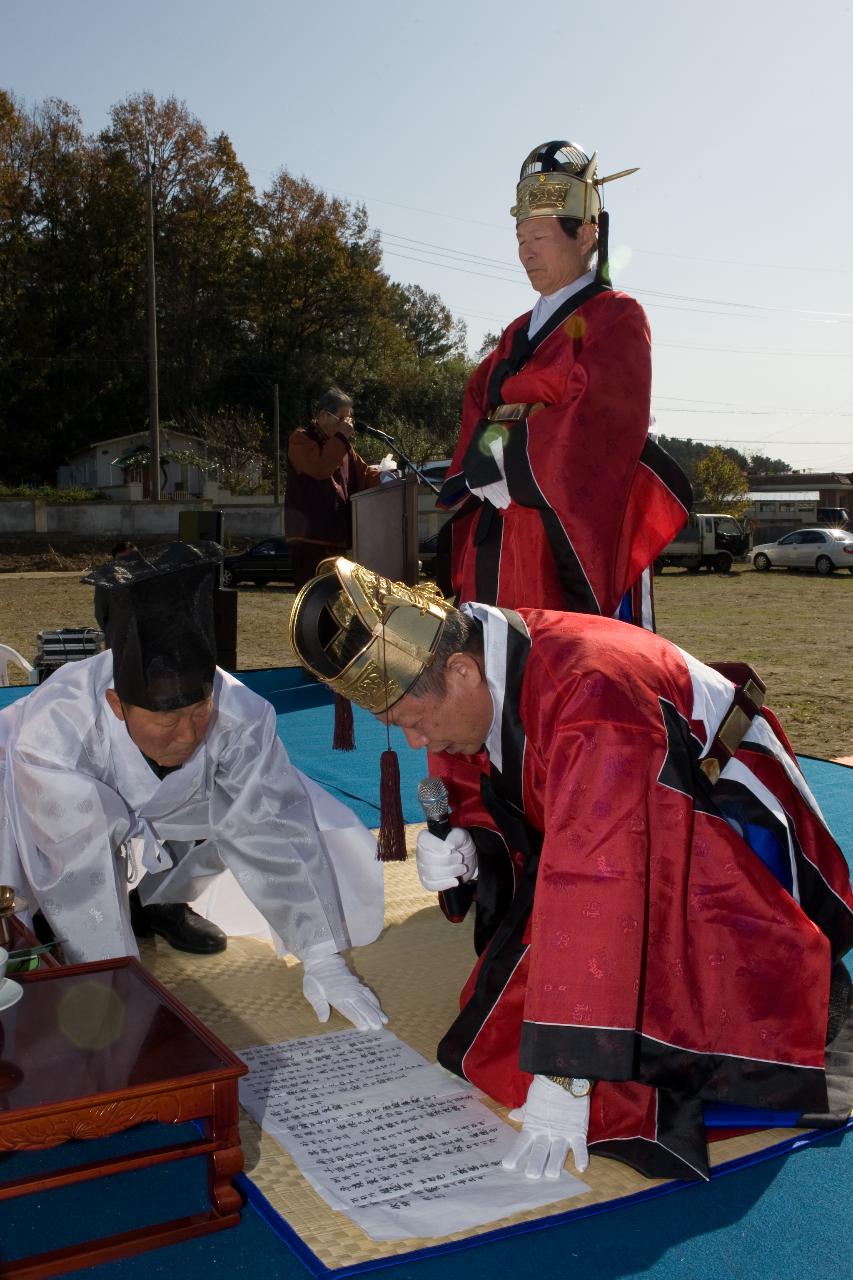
{"x": 593, "y": 499}
{"x": 633, "y": 936}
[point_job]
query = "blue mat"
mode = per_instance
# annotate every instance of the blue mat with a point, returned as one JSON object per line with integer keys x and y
{"x": 305, "y": 719}
{"x": 304, "y": 714}
{"x": 779, "y": 1217}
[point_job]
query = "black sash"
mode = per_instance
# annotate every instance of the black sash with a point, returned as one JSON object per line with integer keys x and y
{"x": 478, "y": 465}
{"x": 503, "y": 905}
{"x": 480, "y": 469}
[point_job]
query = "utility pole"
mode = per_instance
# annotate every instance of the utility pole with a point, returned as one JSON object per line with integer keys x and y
{"x": 275, "y": 453}
{"x": 153, "y": 396}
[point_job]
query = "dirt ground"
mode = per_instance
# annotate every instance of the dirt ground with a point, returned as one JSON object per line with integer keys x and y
{"x": 23, "y": 552}
{"x": 795, "y": 629}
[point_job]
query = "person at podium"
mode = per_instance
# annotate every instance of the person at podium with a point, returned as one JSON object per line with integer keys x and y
{"x": 323, "y": 472}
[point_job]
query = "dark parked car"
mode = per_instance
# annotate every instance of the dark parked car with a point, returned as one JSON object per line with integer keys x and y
{"x": 426, "y": 555}
{"x": 268, "y": 561}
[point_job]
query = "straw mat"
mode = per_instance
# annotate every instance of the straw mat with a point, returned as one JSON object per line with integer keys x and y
{"x": 417, "y": 966}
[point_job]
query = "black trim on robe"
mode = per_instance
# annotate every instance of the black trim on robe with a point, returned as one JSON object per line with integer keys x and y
{"x": 578, "y": 596}
{"x": 819, "y": 902}
{"x": 510, "y": 782}
{"x": 668, "y": 472}
{"x": 502, "y": 796}
{"x": 523, "y": 347}
{"x": 495, "y": 885}
{"x": 677, "y": 1149}
{"x": 680, "y": 1079}
{"x": 488, "y": 537}
{"x": 728, "y": 799}
{"x": 608, "y": 1053}
{"x": 480, "y": 469}
{"x": 680, "y": 770}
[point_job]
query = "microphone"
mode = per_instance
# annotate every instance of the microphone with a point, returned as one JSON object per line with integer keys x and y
{"x": 432, "y": 794}
{"x": 375, "y": 432}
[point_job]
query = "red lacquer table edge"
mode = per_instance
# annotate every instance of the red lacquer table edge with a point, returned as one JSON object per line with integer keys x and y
{"x": 210, "y": 1096}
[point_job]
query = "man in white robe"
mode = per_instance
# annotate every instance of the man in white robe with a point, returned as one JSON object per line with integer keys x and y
{"x": 150, "y": 759}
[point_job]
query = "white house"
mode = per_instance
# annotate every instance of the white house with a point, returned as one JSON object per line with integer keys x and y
{"x": 119, "y": 466}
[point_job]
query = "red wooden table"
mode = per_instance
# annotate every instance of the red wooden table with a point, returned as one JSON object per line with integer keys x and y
{"x": 92, "y": 1049}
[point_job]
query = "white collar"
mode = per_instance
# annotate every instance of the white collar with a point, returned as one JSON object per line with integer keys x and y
{"x": 548, "y": 303}
{"x": 138, "y": 784}
{"x": 495, "y": 635}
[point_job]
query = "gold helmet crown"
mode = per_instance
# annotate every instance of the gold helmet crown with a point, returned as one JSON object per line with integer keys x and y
{"x": 558, "y": 180}
{"x": 366, "y": 637}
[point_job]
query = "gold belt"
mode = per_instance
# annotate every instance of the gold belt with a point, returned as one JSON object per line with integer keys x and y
{"x": 513, "y": 412}
{"x": 747, "y": 701}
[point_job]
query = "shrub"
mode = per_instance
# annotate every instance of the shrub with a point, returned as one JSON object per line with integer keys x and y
{"x": 48, "y": 493}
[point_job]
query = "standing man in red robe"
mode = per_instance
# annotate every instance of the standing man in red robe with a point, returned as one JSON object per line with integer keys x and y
{"x": 561, "y": 499}
{"x": 661, "y": 908}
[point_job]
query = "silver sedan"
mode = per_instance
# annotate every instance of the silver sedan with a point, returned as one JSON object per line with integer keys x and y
{"x": 820, "y": 549}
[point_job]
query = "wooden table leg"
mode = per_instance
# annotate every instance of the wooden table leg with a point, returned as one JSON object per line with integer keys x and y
{"x": 226, "y": 1161}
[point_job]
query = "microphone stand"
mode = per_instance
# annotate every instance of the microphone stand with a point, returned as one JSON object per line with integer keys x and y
{"x": 403, "y": 456}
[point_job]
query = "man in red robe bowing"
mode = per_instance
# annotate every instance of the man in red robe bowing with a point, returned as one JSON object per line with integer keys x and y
{"x": 660, "y": 906}
{"x": 561, "y": 500}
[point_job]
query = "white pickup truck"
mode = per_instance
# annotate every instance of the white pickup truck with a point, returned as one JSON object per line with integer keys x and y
{"x": 709, "y": 540}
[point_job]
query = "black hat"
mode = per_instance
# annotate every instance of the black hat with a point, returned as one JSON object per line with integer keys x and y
{"x": 160, "y": 624}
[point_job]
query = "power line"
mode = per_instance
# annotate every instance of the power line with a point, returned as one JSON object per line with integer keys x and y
{"x": 679, "y": 346}
{"x": 394, "y": 253}
{"x": 734, "y": 262}
{"x": 438, "y": 252}
{"x": 754, "y": 351}
{"x": 755, "y": 413}
{"x": 503, "y": 226}
{"x": 462, "y": 253}
{"x": 446, "y": 266}
{"x": 729, "y": 404}
{"x": 656, "y": 253}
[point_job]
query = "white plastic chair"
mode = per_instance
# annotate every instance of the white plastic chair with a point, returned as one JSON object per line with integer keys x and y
{"x": 7, "y": 655}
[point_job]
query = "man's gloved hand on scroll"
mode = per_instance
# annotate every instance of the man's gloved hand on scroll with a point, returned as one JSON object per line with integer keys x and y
{"x": 552, "y": 1121}
{"x": 443, "y": 863}
{"x": 328, "y": 984}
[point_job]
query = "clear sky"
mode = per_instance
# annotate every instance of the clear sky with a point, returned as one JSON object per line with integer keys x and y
{"x": 735, "y": 234}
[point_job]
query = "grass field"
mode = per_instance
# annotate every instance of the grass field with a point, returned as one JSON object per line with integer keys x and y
{"x": 795, "y": 629}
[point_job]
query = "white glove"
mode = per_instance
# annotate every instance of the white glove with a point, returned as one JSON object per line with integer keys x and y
{"x": 552, "y": 1121}
{"x": 497, "y": 494}
{"x": 328, "y": 982}
{"x": 387, "y": 468}
{"x": 498, "y": 491}
{"x": 441, "y": 863}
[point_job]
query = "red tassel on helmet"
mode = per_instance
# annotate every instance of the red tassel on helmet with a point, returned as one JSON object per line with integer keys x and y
{"x": 391, "y": 844}
{"x": 343, "y": 738}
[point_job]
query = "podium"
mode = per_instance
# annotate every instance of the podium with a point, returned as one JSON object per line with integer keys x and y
{"x": 385, "y": 529}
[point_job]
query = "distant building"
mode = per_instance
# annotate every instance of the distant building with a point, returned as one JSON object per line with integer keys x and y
{"x": 119, "y": 466}
{"x": 835, "y": 489}
{"x": 779, "y": 503}
{"x": 774, "y": 512}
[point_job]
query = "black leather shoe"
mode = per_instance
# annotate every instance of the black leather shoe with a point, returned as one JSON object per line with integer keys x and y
{"x": 181, "y": 927}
